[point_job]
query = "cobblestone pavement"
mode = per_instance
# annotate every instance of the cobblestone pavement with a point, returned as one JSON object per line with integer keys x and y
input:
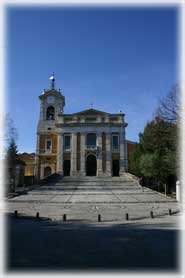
{"x": 82, "y": 203}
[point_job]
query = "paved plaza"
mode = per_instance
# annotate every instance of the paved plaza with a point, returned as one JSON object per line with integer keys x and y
{"x": 150, "y": 245}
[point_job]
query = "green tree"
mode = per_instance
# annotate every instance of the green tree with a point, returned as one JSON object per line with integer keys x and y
{"x": 10, "y": 152}
{"x": 159, "y": 143}
{"x": 147, "y": 164}
{"x": 11, "y": 164}
{"x": 134, "y": 160}
{"x": 155, "y": 157}
{"x": 10, "y": 131}
{"x": 158, "y": 136}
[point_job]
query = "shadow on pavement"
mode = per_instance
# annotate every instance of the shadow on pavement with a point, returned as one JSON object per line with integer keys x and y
{"x": 43, "y": 245}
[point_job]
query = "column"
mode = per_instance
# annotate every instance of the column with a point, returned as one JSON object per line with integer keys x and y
{"x": 122, "y": 152}
{"x": 99, "y": 154}
{"x": 78, "y": 153}
{"x": 108, "y": 155}
{"x": 74, "y": 155}
{"x": 82, "y": 154}
{"x": 60, "y": 154}
{"x": 104, "y": 153}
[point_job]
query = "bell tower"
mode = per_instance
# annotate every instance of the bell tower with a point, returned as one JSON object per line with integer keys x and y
{"x": 52, "y": 103}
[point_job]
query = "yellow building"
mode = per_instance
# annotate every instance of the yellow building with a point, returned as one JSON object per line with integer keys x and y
{"x": 29, "y": 159}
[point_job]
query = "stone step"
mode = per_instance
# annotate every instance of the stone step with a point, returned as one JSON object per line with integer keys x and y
{"x": 87, "y": 188}
{"x": 80, "y": 183}
{"x": 87, "y": 178}
{"x": 92, "y": 184}
{"x": 72, "y": 183}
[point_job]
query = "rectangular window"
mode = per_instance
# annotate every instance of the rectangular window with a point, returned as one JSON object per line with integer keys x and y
{"x": 114, "y": 119}
{"x": 48, "y": 145}
{"x": 67, "y": 142}
{"x": 89, "y": 120}
{"x": 91, "y": 140}
{"x": 115, "y": 142}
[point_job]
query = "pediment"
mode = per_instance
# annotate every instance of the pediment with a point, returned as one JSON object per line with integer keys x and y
{"x": 91, "y": 112}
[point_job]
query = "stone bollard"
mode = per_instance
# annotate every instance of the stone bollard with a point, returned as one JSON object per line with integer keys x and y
{"x": 37, "y": 215}
{"x": 178, "y": 191}
{"x": 64, "y": 217}
{"x": 165, "y": 189}
{"x": 170, "y": 212}
{"x": 16, "y": 213}
{"x": 151, "y": 214}
{"x": 126, "y": 216}
{"x": 99, "y": 217}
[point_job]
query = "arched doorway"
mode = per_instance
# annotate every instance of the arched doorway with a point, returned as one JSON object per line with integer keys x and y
{"x": 47, "y": 171}
{"x": 115, "y": 167}
{"x": 67, "y": 167}
{"x": 91, "y": 165}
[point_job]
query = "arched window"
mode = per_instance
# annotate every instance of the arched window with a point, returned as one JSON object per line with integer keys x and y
{"x": 50, "y": 115}
{"x": 91, "y": 140}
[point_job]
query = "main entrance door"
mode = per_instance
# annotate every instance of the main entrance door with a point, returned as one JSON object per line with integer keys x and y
{"x": 115, "y": 167}
{"x": 91, "y": 165}
{"x": 67, "y": 167}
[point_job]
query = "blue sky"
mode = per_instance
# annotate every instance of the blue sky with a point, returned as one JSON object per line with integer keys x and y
{"x": 118, "y": 58}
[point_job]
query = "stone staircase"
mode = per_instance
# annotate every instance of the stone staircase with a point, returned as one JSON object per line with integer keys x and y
{"x": 92, "y": 183}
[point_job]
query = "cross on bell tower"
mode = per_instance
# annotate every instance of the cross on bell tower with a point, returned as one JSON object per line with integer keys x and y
{"x": 52, "y": 78}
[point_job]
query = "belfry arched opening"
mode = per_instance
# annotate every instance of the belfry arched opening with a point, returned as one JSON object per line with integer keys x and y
{"x": 91, "y": 165}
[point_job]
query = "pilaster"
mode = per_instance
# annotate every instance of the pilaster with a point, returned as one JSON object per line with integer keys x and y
{"x": 74, "y": 155}
{"x": 82, "y": 154}
{"x": 108, "y": 155}
{"x": 99, "y": 154}
{"x": 60, "y": 154}
{"x": 122, "y": 152}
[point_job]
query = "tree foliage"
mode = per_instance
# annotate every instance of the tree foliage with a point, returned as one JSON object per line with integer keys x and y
{"x": 134, "y": 159}
{"x": 147, "y": 164}
{"x": 159, "y": 136}
{"x": 11, "y": 151}
{"x": 10, "y": 132}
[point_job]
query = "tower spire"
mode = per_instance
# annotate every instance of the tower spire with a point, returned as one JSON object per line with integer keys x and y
{"x": 52, "y": 78}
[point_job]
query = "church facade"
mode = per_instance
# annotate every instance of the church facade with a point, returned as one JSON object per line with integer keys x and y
{"x": 86, "y": 143}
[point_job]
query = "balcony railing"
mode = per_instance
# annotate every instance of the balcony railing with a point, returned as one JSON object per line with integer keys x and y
{"x": 115, "y": 149}
{"x": 66, "y": 149}
{"x": 48, "y": 151}
{"x": 91, "y": 147}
